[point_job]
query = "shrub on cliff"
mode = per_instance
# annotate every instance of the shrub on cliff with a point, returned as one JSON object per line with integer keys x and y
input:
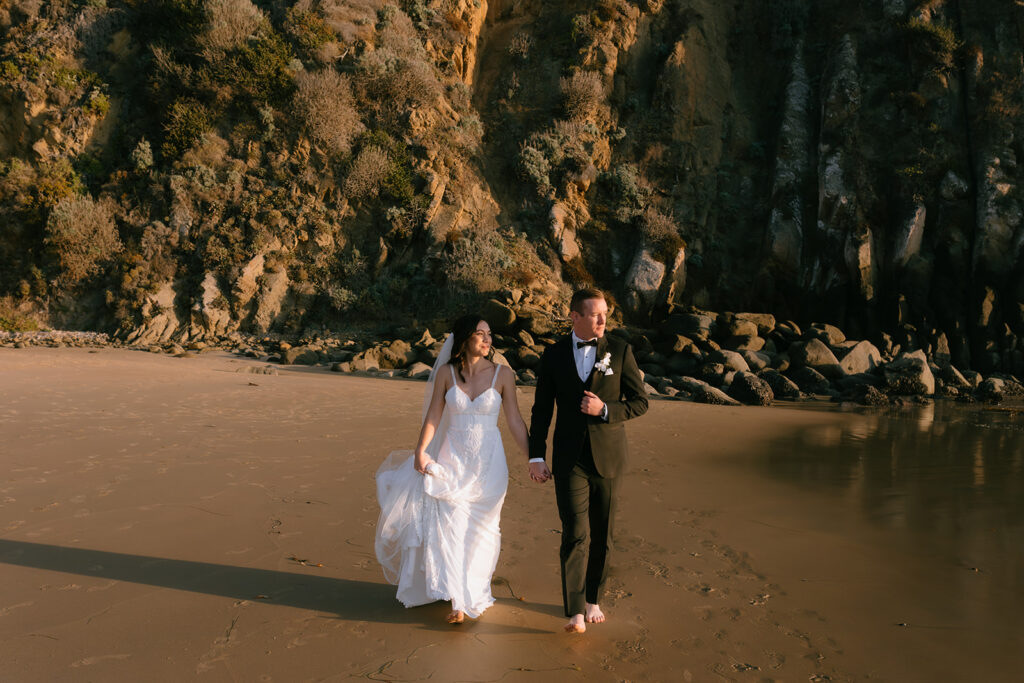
{"x": 582, "y": 93}
{"x": 368, "y": 171}
{"x": 229, "y": 24}
{"x": 325, "y": 104}
{"x": 186, "y": 121}
{"x": 81, "y": 235}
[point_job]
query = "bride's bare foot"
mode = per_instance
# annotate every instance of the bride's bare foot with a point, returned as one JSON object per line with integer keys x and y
{"x": 594, "y": 614}
{"x": 456, "y": 616}
{"x": 576, "y": 624}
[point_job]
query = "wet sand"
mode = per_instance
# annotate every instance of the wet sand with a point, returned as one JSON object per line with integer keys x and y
{"x": 173, "y": 519}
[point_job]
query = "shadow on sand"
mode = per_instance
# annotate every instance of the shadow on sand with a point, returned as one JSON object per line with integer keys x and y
{"x": 346, "y": 598}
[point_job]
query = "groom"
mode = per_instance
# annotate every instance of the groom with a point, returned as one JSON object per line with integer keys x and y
{"x": 595, "y": 382}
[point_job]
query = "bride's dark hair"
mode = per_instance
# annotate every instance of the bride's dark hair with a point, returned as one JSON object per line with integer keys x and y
{"x": 462, "y": 330}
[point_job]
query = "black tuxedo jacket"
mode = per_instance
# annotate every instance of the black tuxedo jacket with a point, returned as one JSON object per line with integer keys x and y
{"x": 558, "y": 384}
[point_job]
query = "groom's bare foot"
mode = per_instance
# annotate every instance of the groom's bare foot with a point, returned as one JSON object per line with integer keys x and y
{"x": 576, "y": 624}
{"x": 594, "y": 614}
{"x": 456, "y": 616}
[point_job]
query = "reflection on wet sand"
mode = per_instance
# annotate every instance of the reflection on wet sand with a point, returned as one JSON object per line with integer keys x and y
{"x": 943, "y": 482}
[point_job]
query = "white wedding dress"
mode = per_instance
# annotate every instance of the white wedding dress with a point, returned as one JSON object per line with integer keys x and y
{"x": 438, "y": 536}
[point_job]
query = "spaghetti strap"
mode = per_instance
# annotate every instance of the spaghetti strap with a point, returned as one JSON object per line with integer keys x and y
{"x": 494, "y": 379}
{"x": 452, "y": 368}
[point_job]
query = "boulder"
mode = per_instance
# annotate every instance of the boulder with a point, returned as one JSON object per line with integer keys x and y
{"x": 500, "y": 317}
{"x": 711, "y": 373}
{"x": 909, "y": 374}
{"x": 737, "y": 328}
{"x": 682, "y": 364}
{"x": 753, "y": 343}
{"x": 748, "y": 388}
{"x": 365, "y": 361}
{"x": 729, "y": 359}
{"x": 536, "y": 321}
{"x": 300, "y": 355}
{"x": 815, "y": 354}
{"x": 702, "y": 392}
{"x": 781, "y": 386}
{"x": 525, "y": 357}
{"x": 341, "y": 367}
{"x": 756, "y": 360}
{"x": 694, "y": 325}
{"x": 992, "y": 389}
{"x": 765, "y": 322}
{"x": 863, "y": 357}
{"x": 397, "y": 354}
{"x": 418, "y": 371}
{"x": 830, "y": 334}
{"x": 810, "y": 380}
{"x": 866, "y": 395}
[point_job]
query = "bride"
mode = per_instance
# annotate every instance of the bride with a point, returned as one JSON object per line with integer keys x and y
{"x": 438, "y": 535}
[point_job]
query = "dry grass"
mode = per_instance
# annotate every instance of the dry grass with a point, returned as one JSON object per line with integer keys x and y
{"x": 229, "y": 24}
{"x": 325, "y": 103}
{"x": 583, "y": 92}
{"x": 368, "y": 171}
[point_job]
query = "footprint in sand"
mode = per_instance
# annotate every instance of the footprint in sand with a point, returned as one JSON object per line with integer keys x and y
{"x": 89, "y": 661}
{"x": 4, "y": 611}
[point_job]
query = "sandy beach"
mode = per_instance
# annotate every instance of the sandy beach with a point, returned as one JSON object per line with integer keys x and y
{"x": 169, "y": 519}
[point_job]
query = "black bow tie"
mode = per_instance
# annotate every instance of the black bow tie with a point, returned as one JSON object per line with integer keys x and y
{"x": 592, "y": 342}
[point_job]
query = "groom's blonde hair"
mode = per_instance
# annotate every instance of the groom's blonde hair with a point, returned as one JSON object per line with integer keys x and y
{"x": 581, "y": 295}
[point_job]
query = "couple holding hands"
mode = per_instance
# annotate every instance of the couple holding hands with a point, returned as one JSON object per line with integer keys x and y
{"x": 438, "y": 534}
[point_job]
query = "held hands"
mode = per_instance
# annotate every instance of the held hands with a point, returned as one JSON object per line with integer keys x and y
{"x": 591, "y": 404}
{"x": 539, "y": 472}
{"x": 422, "y": 462}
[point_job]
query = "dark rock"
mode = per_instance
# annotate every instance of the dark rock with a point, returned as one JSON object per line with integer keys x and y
{"x": 810, "y": 380}
{"x": 682, "y": 364}
{"x": 781, "y": 386}
{"x": 299, "y": 355}
{"x": 524, "y": 338}
{"x": 536, "y": 321}
{"x": 692, "y": 325}
{"x": 909, "y": 374}
{"x": 342, "y": 367}
{"x": 524, "y": 357}
{"x": 862, "y": 357}
{"x": 528, "y": 377}
{"x": 418, "y": 371}
{"x": 746, "y": 387}
{"x": 756, "y": 360}
{"x": 500, "y": 317}
{"x": 748, "y": 343}
{"x": 702, "y": 392}
{"x": 815, "y": 354}
{"x": 858, "y": 380}
{"x": 652, "y": 369}
{"x": 832, "y": 334}
{"x": 711, "y": 373}
{"x": 866, "y": 395}
{"x": 397, "y": 354}
{"x": 729, "y": 359}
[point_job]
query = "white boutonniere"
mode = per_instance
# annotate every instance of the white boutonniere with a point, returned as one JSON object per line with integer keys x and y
{"x": 604, "y": 365}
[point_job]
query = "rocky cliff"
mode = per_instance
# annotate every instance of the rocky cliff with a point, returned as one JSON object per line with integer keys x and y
{"x": 183, "y": 169}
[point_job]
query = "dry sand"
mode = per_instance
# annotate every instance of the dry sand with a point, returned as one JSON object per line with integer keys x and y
{"x": 169, "y": 519}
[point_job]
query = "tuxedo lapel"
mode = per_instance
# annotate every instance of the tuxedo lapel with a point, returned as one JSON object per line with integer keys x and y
{"x": 596, "y": 375}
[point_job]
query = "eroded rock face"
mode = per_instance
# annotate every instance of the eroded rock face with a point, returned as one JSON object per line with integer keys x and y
{"x": 643, "y": 280}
